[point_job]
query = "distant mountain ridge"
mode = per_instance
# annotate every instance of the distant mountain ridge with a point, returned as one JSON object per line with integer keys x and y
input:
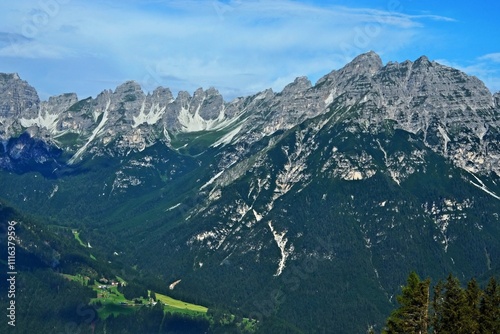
{"x": 323, "y": 195}
{"x": 456, "y": 114}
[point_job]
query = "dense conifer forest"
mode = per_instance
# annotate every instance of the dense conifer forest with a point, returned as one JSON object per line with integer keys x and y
{"x": 447, "y": 308}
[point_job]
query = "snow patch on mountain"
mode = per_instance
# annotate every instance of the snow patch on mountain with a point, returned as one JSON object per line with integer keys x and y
{"x": 154, "y": 114}
{"x": 43, "y": 120}
{"x": 212, "y": 180}
{"x": 483, "y": 187}
{"x": 295, "y": 165}
{"x": 350, "y": 167}
{"x": 329, "y": 99}
{"x": 194, "y": 122}
{"x": 444, "y": 213}
{"x": 97, "y": 131}
{"x": 173, "y": 207}
{"x": 228, "y": 138}
{"x": 281, "y": 241}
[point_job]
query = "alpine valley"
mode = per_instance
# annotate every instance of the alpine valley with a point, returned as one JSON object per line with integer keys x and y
{"x": 301, "y": 211}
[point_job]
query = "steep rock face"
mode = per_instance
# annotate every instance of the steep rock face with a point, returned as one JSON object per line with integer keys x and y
{"x": 320, "y": 192}
{"x": 17, "y": 98}
{"x": 350, "y": 201}
{"x": 455, "y": 114}
{"x": 202, "y": 111}
{"x": 49, "y": 113}
{"x": 18, "y": 154}
{"x": 354, "y": 78}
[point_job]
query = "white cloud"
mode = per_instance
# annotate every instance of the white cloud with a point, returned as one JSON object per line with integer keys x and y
{"x": 495, "y": 57}
{"x": 248, "y": 45}
{"x": 34, "y": 50}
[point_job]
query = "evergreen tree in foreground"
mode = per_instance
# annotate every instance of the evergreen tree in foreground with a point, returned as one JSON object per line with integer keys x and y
{"x": 451, "y": 314}
{"x": 473, "y": 295}
{"x": 490, "y": 309}
{"x": 454, "y": 310}
{"x": 412, "y": 316}
{"x": 437, "y": 307}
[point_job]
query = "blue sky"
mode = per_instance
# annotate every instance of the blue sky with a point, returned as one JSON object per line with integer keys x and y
{"x": 239, "y": 47}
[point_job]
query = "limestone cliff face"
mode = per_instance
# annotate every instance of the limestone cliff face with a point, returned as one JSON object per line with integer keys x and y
{"x": 373, "y": 171}
{"x": 453, "y": 113}
{"x": 17, "y": 98}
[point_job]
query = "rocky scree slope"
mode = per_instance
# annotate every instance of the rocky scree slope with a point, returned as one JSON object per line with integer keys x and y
{"x": 328, "y": 194}
{"x": 454, "y": 113}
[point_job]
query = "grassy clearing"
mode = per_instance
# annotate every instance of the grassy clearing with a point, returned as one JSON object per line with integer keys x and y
{"x": 110, "y": 295}
{"x": 77, "y": 237}
{"x": 176, "y": 305}
{"x": 175, "y": 310}
{"x": 77, "y": 278}
{"x": 114, "y": 302}
{"x": 249, "y": 325}
{"x": 68, "y": 139}
{"x": 111, "y": 301}
{"x": 115, "y": 309}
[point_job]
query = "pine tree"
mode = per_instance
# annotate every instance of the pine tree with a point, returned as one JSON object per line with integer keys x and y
{"x": 490, "y": 309}
{"x": 437, "y": 307}
{"x": 412, "y": 316}
{"x": 453, "y": 309}
{"x": 473, "y": 296}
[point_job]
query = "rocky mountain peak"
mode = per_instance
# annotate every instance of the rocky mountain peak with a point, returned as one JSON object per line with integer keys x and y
{"x": 369, "y": 63}
{"x": 360, "y": 69}
{"x": 57, "y": 104}
{"x": 424, "y": 97}
{"x": 9, "y": 76}
{"x": 16, "y": 96}
{"x": 300, "y": 84}
{"x": 422, "y": 61}
{"x": 198, "y": 94}
{"x": 212, "y": 91}
{"x": 67, "y": 99}
{"x": 163, "y": 94}
{"x": 183, "y": 95}
{"x": 129, "y": 89}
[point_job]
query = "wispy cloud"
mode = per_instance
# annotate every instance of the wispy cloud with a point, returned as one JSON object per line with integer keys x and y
{"x": 34, "y": 50}
{"x": 495, "y": 57}
{"x": 248, "y": 45}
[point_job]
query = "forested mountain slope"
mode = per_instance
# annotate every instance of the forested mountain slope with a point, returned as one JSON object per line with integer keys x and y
{"x": 304, "y": 209}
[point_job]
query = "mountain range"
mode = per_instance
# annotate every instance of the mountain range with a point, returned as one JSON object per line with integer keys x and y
{"x": 305, "y": 208}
